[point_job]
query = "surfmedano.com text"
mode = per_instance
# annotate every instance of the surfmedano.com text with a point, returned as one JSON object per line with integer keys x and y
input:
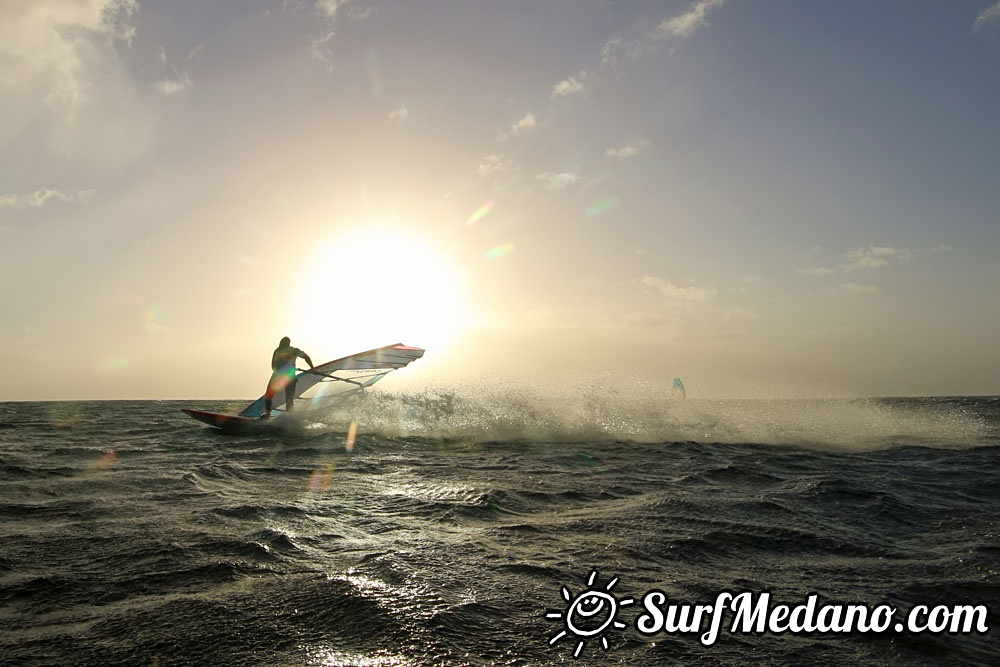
{"x": 754, "y": 613}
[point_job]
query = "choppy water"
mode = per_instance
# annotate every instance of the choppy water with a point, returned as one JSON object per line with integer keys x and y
{"x": 131, "y": 535}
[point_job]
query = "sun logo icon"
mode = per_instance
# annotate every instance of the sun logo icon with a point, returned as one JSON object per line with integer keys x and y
{"x": 589, "y": 614}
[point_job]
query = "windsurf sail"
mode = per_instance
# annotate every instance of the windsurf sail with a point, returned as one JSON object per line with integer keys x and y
{"x": 330, "y": 383}
{"x": 678, "y": 391}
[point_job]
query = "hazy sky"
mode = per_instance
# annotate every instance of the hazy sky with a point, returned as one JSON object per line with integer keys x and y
{"x": 760, "y": 196}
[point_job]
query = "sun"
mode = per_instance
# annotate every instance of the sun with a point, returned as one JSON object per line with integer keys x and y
{"x": 378, "y": 288}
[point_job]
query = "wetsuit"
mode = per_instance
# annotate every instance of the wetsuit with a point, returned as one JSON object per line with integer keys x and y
{"x": 283, "y": 376}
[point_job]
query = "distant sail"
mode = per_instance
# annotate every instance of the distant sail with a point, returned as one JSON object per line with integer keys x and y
{"x": 678, "y": 390}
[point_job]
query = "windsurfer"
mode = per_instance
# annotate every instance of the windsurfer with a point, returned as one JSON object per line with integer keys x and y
{"x": 283, "y": 374}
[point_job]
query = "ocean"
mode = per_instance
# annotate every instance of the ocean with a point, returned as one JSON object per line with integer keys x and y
{"x": 503, "y": 528}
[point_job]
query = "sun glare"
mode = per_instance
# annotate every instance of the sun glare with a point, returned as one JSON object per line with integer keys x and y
{"x": 376, "y": 289}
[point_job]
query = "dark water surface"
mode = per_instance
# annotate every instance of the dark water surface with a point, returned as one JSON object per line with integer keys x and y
{"x": 131, "y": 535}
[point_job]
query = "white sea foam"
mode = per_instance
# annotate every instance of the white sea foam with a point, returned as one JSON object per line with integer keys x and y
{"x": 647, "y": 414}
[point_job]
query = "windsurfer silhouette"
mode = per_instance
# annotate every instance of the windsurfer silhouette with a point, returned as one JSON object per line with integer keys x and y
{"x": 283, "y": 374}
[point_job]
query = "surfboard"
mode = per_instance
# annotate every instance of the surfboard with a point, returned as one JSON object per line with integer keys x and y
{"x": 234, "y": 423}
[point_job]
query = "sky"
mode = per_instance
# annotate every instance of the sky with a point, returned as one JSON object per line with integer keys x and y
{"x": 763, "y": 197}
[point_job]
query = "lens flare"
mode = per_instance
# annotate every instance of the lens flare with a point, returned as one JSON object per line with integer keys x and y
{"x": 111, "y": 365}
{"x": 500, "y": 251}
{"x": 320, "y": 480}
{"x": 352, "y": 436}
{"x": 602, "y": 207}
{"x": 154, "y": 321}
{"x": 104, "y": 463}
{"x": 480, "y": 213}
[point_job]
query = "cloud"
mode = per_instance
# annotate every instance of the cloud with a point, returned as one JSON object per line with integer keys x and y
{"x": 495, "y": 163}
{"x": 66, "y": 92}
{"x": 628, "y": 150}
{"x": 523, "y": 126}
{"x": 614, "y": 51}
{"x": 502, "y": 171}
{"x": 855, "y": 288}
{"x": 617, "y": 49}
{"x": 988, "y": 15}
{"x": 558, "y": 181}
{"x": 737, "y": 314}
{"x": 59, "y": 45}
{"x": 155, "y": 328}
{"x": 332, "y": 9}
{"x": 43, "y": 196}
{"x": 819, "y": 271}
{"x": 872, "y": 257}
{"x": 686, "y": 24}
{"x": 568, "y": 86}
{"x": 174, "y": 85}
{"x": 399, "y": 114}
{"x": 174, "y": 81}
{"x": 677, "y": 295}
{"x": 648, "y": 320}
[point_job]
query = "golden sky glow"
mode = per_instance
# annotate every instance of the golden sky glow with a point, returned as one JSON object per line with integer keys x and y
{"x": 762, "y": 198}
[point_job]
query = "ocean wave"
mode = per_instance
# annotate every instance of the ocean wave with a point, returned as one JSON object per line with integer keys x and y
{"x": 449, "y": 546}
{"x": 485, "y": 417}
